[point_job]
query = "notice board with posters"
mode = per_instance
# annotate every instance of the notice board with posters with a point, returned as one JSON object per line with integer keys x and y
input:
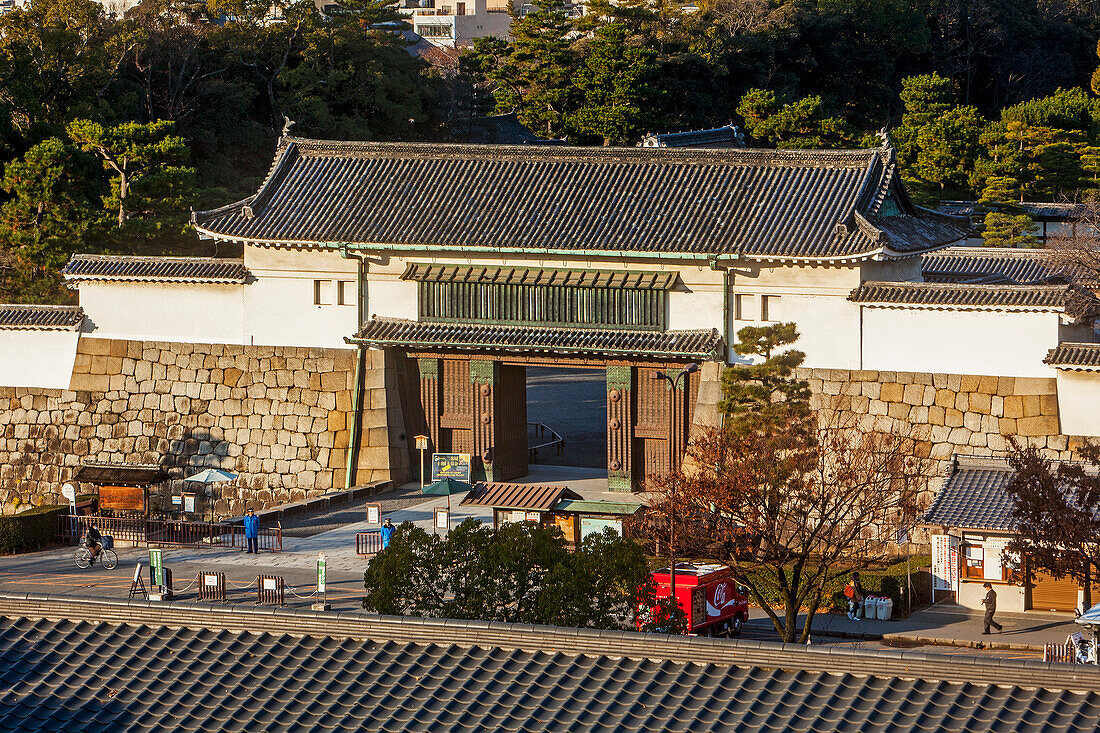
{"x": 124, "y": 499}
{"x": 945, "y": 562}
{"x": 451, "y": 465}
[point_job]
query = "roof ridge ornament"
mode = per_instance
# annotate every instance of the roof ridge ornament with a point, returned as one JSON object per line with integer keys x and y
{"x": 884, "y": 137}
{"x": 287, "y": 124}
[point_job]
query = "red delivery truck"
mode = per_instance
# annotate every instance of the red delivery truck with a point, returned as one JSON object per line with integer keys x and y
{"x": 709, "y": 597}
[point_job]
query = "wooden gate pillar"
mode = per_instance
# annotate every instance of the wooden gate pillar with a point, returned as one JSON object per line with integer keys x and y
{"x": 620, "y": 427}
{"x": 678, "y": 420}
{"x": 483, "y": 381}
{"x": 429, "y": 398}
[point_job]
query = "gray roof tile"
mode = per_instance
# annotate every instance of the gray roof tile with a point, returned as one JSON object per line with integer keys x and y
{"x": 968, "y": 264}
{"x": 74, "y": 677}
{"x": 163, "y": 269}
{"x": 557, "y": 277}
{"x": 973, "y": 496}
{"x": 386, "y": 332}
{"x": 1077, "y": 357}
{"x": 1062, "y": 298}
{"x": 758, "y": 203}
{"x": 41, "y": 317}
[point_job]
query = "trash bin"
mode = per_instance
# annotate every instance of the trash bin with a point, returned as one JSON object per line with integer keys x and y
{"x": 870, "y": 607}
{"x": 885, "y": 609}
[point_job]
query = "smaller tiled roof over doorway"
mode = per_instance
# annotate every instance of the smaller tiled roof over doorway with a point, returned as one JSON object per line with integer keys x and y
{"x": 973, "y": 496}
{"x": 519, "y": 496}
{"x": 41, "y": 317}
{"x": 974, "y": 264}
{"x": 555, "y": 277}
{"x": 951, "y": 296}
{"x": 392, "y": 332}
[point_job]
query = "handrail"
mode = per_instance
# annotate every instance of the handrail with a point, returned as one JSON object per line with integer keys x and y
{"x": 540, "y": 430}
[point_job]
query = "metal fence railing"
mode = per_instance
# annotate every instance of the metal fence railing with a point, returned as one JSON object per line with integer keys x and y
{"x": 368, "y": 543}
{"x": 162, "y": 532}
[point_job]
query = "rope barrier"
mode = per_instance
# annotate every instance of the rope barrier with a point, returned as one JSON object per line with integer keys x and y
{"x": 241, "y": 587}
{"x": 304, "y": 598}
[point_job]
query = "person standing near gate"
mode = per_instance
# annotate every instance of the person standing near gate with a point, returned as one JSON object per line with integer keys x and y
{"x": 990, "y": 603}
{"x": 387, "y": 532}
{"x": 252, "y": 531}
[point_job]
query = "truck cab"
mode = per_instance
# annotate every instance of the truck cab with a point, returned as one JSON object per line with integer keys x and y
{"x": 708, "y": 595}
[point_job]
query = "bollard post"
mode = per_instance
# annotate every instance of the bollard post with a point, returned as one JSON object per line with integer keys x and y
{"x": 212, "y": 587}
{"x": 270, "y": 589}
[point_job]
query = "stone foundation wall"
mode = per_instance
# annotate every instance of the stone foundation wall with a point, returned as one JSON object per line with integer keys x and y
{"x": 949, "y": 413}
{"x": 279, "y": 417}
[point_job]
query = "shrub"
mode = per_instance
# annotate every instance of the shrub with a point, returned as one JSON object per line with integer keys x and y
{"x": 29, "y": 530}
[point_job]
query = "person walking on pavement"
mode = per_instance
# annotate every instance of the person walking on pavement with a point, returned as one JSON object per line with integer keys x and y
{"x": 387, "y": 532}
{"x": 990, "y": 603}
{"x": 252, "y": 531}
{"x": 854, "y": 592}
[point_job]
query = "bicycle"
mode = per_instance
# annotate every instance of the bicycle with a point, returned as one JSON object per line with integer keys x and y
{"x": 83, "y": 556}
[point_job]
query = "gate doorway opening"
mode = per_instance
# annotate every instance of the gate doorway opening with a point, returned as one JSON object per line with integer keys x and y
{"x": 569, "y": 404}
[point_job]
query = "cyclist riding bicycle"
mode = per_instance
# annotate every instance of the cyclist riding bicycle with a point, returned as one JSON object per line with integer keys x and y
{"x": 93, "y": 541}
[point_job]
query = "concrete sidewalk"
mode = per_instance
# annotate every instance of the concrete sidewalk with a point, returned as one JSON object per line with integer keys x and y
{"x": 944, "y": 625}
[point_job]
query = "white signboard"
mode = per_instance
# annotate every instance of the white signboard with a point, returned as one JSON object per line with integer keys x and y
{"x": 442, "y": 519}
{"x": 374, "y": 513}
{"x": 210, "y": 580}
{"x": 189, "y": 503}
{"x": 68, "y": 491}
{"x": 945, "y": 562}
{"x": 269, "y": 584}
{"x": 996, "y": 557}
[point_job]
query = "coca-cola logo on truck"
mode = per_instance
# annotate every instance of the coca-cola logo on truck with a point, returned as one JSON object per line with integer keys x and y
{"x": 722, "y": 595}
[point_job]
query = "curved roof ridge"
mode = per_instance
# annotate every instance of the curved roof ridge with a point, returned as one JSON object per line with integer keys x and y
{"x": 848, "y": 157}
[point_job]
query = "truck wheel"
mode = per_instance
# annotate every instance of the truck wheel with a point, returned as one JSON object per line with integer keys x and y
{"x": 735, "y": 625}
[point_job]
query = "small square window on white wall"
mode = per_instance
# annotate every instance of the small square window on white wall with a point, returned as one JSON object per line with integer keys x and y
{"x": 345, "y": 294}
{"x": 322, "y": 292}
{"x": 770, "y": 308}
{"x": 745, "y": 307}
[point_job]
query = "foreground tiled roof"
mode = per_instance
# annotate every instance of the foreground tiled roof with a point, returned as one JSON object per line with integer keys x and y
{"x": 951, "y": 296}
{"x": 483, "y": 337}
{"x": 41, "y": 317}
{"x": 518, "y": 496}
{"x": 1077, "y": 357}
{"x": 787, "y": 204}
{"x": 430, "y": 675}
{"x": 968, "y": 264}
{"x": 162, "y": 269}
{"x": 973, "y": 496}
{"x": 622, "y": 279}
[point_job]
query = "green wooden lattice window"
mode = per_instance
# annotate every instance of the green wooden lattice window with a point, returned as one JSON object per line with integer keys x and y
{"x": 641, "y": 309}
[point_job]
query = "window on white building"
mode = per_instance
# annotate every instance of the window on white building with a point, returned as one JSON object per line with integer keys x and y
{"x": 345, "y": 292}
{"x": 769, "y": 308}
{"x": 745, "y": 307}
{"x": 322, "y": 292}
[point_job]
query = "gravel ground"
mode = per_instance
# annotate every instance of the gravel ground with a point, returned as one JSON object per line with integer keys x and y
{"x": 574, "y": 403}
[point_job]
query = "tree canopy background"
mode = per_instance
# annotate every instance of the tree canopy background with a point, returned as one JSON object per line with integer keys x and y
{"x": 987, "y": 99}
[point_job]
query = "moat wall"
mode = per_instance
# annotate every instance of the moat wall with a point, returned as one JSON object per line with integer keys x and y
{"x": 279, "y": 417}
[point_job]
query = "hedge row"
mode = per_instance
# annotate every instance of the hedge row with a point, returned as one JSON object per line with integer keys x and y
{"x": 29, "y": 530}
{"x": 887, "y": 582}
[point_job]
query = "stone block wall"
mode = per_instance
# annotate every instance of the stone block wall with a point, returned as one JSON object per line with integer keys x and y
{"x": 949, "y": 413}
{"x": 279, "y": 417}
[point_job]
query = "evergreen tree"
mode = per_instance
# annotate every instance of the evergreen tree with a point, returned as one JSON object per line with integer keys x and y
{"x": 801, "y": 124}
{"x": 948, "y": 147}
{"x": 926, "y": 99}
{"x": 613, "y": 86}
{"x": 1006, "y": 224}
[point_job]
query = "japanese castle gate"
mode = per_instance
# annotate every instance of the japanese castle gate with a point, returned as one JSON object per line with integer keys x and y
{"x": 471, "y": 263}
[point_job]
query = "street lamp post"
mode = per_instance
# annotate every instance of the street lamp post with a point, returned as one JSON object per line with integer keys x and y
{"x": 673, "y": 385}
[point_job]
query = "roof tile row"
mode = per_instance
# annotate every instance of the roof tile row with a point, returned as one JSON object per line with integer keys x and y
{"x": 165, "y": 269}
{"x": 41, "y": 317}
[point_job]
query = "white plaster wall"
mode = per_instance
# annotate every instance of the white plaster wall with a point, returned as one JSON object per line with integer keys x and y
{"x": 37, "y": 358}
{"x": 186, "y": 312}
{"x": 1079, "y": 402}
{"x": 392, "y": 297}
{"x": 1008, "y": 344}
{"x": 279, "y": 308}
{"x": 1010, "y": 598}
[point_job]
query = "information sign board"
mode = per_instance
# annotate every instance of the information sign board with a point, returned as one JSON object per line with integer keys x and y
{"x": 945, "y": 562}
{"x": 451, "y": 465}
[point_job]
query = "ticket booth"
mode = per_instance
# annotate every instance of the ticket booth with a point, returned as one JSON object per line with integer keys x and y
{"x": 123, "y": 488}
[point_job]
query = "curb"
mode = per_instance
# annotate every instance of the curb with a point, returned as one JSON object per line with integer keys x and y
{"x": 935, "y": 641}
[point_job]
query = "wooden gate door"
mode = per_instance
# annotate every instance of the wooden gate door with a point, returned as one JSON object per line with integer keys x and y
{"x": 510, "y": 423}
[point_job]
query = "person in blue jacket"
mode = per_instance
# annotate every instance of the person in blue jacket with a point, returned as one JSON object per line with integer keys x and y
{"x": 252, "y": 531}
{"x": 387, "y": 532}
